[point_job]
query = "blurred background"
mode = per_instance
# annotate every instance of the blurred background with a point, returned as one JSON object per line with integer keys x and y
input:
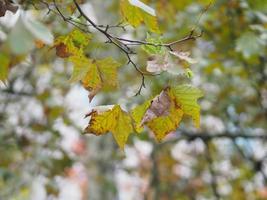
{"x": 45, "y": 156}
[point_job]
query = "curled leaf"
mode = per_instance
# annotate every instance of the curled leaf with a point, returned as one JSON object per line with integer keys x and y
{"x": 115, "y": 121}
{"x": 163, "y": 115}
{"x": 159, "y": 106}
{"x": 158, "y": 64}
{"x": 184, "y": 56}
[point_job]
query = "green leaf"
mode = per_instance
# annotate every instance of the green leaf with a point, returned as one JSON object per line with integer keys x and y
{"x": 115, "y": 121}
{"x": 152, "y": 49}
{"x": 80, "y": 68}
{"x": 138, "y": 113}
{"x": 186, "y": 97}
{"x": 72, "y": 44}
{"x": 136, "y": 13}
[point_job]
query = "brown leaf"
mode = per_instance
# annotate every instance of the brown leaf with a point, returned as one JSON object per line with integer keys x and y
{"x": 62, "y": 51}
{"x": 157, "y": 64}
{"x": 184, "y": 56}
{"x": 160, "y": 106}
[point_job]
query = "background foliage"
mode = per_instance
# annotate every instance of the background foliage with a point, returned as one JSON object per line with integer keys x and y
{"x": 44, "y": 154}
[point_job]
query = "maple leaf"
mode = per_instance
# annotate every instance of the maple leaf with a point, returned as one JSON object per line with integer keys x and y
{"x": 186, "y": 96}
{"x": 165, "y": 124}
{"x": 163, "y": 115}
{"x": 72, "y": 44}
{"x": 136, "y": 12}
{"x": 115, "y": 121}
{"x": 95, "y": 74}
{"x": 138, "y": 113}
{"x": 159, "y": 106}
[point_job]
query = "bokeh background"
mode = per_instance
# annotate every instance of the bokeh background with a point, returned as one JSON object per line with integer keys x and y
{"x": 45, "y": 156}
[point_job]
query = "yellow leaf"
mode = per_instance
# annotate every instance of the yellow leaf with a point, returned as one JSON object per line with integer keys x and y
{"x": 138, "y": 113}
{"x": 72, "y": 44}
{"x": 186, "y": 96}
{"x": 115, "y": 121}
{"x": 92, "y": 79}
{"x": 107, "y": 69}
{"x": 162, "y": 126}
{"x": 163, "y": 115}
{"x": 80, "y": 68}
{"x": 95, "y": 74}
{"x": 135, "y": 15}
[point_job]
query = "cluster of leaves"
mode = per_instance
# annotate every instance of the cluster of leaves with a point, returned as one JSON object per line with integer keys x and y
{"x": 231, "y": 70}
{"x": 102, "y": 74}
{"x": 162, "y": 114}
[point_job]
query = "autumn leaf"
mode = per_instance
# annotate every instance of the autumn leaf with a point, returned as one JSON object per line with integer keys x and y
{"x": 163, "y": 115}
{"x": 158, "y": 64}
{"x": 159, "y": 106}
{"x": 184, "y": 56}
{"x": 136, "y": 12}
{"x": 165, "y": 62}
{"x": 115, "y": 121}
{"x": 62, "y": 50}
{"x": 72, "y": 44}
{"x": 165, "y": 124}
{"x": 95, "y": 74}
{"x": 186, "y": 96}
{"x": 137, "y": 114}
{"x": 164, "y": 112}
